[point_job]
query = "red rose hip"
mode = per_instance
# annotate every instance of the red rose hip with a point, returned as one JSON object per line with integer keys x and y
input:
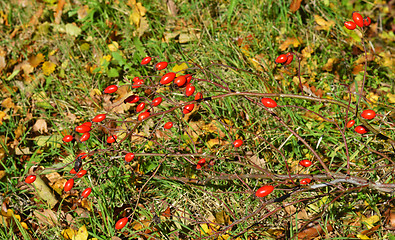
{"x": 30, "y": 179}
{"x": 238, "y": 143}
{"x": 361, "y": 129}
{"x": 129, "y": 157}
{"x": 68, "y": 185}
{"x": 264, "y": 191}
{"x": 99, "y": 118}
{"x": 269, "y": 103}
{"x": 86, "y": 192}
{"x": 350, "y": 25}
{"x": 121, "y": 223}
{"x": 67, "y": 138}
{"x": 357, "y": 19}
{"x": 368, "y": 114}
{"x": 305, "y": 163}
{"x": 111, "y": 89}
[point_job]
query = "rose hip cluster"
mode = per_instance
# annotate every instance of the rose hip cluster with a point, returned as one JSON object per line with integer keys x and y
{"x": 357, "y": 21}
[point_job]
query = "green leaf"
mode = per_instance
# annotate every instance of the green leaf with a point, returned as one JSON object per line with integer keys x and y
{"x": 113, "y": 72}
{"x": 118, "y": 57}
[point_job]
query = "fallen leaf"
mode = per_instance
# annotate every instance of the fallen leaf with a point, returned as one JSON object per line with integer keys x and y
{"x": 40, "y": 126}
{"x": 44, "y": 192}
{"x": 391, "y": 98}
{"x": 295, "y": 5}
{"x": 59, "y": 11}
{"x": 370, "y": 221}
{"x": 295, "y": 42}
{"x": 36, "y": 60}
{"x": 48, "y": 68}
{"x": 329, "y": 64}
{"x": 315, "y": 231}
{"x": 179, "y": 68}
{"x": 307, "y": 51}
{"x": 187, "y": 37}
{"x": 83, "y": 12}
{"x": 113, "y": 46}
{"x": 172, "y": 7}
{"x": 322, "y": 24}
{"x": 46, "y": 217}
{"x": 73, "y": 30}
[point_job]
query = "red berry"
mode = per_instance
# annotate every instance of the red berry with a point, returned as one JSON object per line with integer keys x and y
{"x": 350, "y": 25}
{"x": 68, "y": 185}
{"x": 199, "y": 166}
{"x": 89, "y": 124}
{"x": 290, "y": 57}
{"x": 156, "y": 101}
{"x": 238, "y": 143}
{"x": 198, "y": 96}
{"x": 361, "y": 129}
{"x": 368, "y": 114}
{"x": 111, "y": 139}
{"x": 188, "y": 77}
{"x": 350, "y": 123}
{"x": 140, "y": 107}
{"x": 357, "y": 19}
{"x": 305, "y": 181}
{"x": 146, "y": 60}
{"x": 121, "y": 223}
{"x": 367, "y": 21}
{"x": 81, "y": 173}
{"x": 67, "y": 138}
{"x": 180, "y": 81}
{"x": 132, "y": 99}
{"x": 99, "y": 118}
{"x": 82, "y": 155}
{"x": 143, "y": 115}
{"x": 85, "y": 137}
{"x": 168, "y": 125}
{"x": 72, "y": 171}
{"x": 161, "y": 65}
{"x": 30, "y": 179}
{"x": 268, "y": 102}
{"x": 111, "y": 89}
{"x": 167, "y": 78}
{"x": 202, "y": 161}
{"x": 281, "y": 59}
{"x": 138, "y": 83}
{"x": 86, "y": 192}
{"x": 190, "y": 89}
{"x": 264, "y": 191}
{"x": 82, "y": 128}
{"x": 135, "y": 79}
{"x": 305, "y": 163}
{"x": 129, "y": 157}
{"x": 188, "y": 108}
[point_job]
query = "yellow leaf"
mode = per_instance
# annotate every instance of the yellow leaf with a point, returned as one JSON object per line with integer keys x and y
{"x": 48, "y": 68}
{"x": 69, "y": 234}
{"x": 391, "y": 98}
{"x": 323, "y": 24}
{"x": 370, "y": 221}
{"x": 135, "y": 18}
{"x": 361, "y": 236}
{"x": 2, "y": 115}
{"x": 104, "y": 59}
{"x": 290, "y": 41}
{"x": 180, "y": 68}
{"x": 307, "y": 51}
{"x": 82, "y": 234}
{"x": 113, "y": 46}
{"x": 207, "y": 229}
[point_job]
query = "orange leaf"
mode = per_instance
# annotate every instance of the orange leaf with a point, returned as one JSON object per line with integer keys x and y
{"x": 295, "y": 5}
{"x": 290, "y": 41}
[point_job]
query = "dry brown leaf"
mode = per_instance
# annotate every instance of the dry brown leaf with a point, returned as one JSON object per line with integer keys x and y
{"x": 46, "y": 217}
{"x": 361, "y": 59}
{"x": 45, "y": 192}
{"x": 172, "y": 7}
{"x": 322, "y": 24}
{"x": 40, "y": 126}
{"x": 295, "y": 42}
{"x": 295, "y": 5}
{"x": 83, "y": 12}
{"x": 392, "y": 218}
{"x": 187, "y": 37}
{"x": 36, "y": 60}
{"x": 315, "y": 231}
{"x": 25, "y": 66}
